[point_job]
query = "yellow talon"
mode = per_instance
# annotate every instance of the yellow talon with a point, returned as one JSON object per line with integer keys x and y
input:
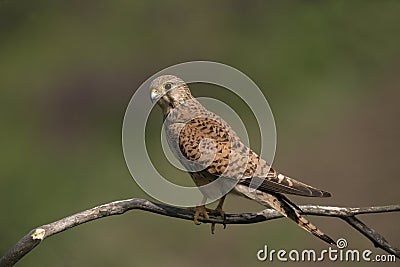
{"x": 219, "y": 211}
{"x": 203, "y": 211}
{"x": 200, "y": 210}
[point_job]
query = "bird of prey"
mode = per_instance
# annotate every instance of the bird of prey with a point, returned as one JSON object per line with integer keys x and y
{"x": 209, "y": 148}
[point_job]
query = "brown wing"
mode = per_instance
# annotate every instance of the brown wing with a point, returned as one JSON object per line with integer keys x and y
{"x": 193, "y": 146}
{"x": 215, "y": 158}
{"x": 277, "y": 182}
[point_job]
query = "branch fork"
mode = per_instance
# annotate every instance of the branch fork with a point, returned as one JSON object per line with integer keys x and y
{"x": 37, "y": 235}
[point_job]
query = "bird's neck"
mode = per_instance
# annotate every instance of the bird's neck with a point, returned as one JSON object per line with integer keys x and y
{"x": 185, "y": 111}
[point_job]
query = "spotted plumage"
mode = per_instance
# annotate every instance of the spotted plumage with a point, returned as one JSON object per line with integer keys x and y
{"x": 209, "y": 148}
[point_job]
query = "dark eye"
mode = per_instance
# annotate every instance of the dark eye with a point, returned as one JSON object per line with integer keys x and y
{"x": 167, "y": 86}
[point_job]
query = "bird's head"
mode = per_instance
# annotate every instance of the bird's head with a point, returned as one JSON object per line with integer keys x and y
{"x": 169, "y": 92}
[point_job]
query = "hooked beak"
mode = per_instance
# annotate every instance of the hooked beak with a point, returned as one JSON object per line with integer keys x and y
{"x": 154, "y": 95}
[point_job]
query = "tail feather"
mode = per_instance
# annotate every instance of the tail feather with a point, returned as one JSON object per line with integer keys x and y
{"x": 285, "y": 207}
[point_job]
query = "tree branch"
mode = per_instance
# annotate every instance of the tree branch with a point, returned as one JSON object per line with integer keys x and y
{"x": 35, "y": 236}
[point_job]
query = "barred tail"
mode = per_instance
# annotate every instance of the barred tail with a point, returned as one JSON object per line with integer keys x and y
{"x": 286, "y": 208}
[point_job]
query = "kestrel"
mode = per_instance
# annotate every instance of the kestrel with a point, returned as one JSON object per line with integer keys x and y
{"x": 210, "y": 149}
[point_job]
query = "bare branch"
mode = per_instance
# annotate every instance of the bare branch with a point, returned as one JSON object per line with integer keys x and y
{"x": 34, "y": 237}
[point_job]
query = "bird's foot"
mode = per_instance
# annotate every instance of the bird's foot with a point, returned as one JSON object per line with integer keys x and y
{"x": 200, "y": 210}
{"x": 220, "y": 212}
{"x": 203, "y": 211}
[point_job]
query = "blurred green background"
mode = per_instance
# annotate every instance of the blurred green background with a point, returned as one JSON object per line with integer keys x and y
{"x": 330, "y": 71}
